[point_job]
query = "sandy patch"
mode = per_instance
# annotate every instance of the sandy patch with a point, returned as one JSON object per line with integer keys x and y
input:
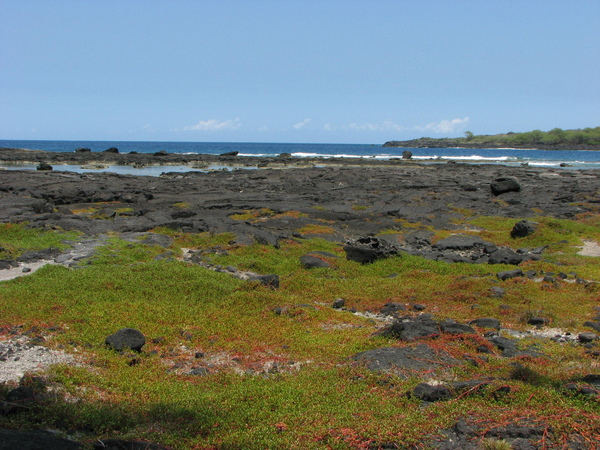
{"x": 590, "y": 248}
{"x": 22, "y": 270}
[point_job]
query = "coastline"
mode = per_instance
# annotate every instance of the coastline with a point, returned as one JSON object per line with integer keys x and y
{"x": 14, "y": 156}
{"x": 355, "y": 199}
{"x": 419, "y": 143}
{"x": 131, "y": 162}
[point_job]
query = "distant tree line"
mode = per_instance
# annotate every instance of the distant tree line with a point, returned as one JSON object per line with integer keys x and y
{"x": 556, "y": 136}
{"x": 555, "y": 139}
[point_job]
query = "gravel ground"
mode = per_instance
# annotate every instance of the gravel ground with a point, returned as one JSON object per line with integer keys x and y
{"x": 18, "y": 356}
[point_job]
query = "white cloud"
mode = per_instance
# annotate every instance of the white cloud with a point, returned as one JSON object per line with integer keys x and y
{"x": 300, "y": 125}
{"x": 327, "y": 127}
{"x": 445, "y": 126}
{"x": 215, "y": 125}
{"x": 388, "y": 125}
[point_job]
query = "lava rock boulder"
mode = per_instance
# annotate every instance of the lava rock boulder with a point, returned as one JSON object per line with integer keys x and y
{"x": 369, "y": 249}
{"x": 126, "y": 338}
{"x": 503, "y": 185}
{"x": 523, "y": 228}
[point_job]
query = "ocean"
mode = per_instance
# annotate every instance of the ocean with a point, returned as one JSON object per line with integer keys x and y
{"x": 568, "y": 159}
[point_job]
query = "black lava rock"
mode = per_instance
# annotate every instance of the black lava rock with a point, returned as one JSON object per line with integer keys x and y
{"x": 338, "y": 303}
{"x": 507, "y": 274}
{"x": 523, "y": 228}
{"x": 35, "y": 440}
{"x": 369, "y": 249}
{"x": 486, "y": 322}
{"x": 505, "y": 256}
{"x": 406, "y": 360}
{"x": 312, "y": 262}
{"x": 594, "y": 325}
{"x": 429, "y": 393}
{"x": 505, "y": 184}
{"x": 126, "y": 338}
{"x": 270, "y": 280}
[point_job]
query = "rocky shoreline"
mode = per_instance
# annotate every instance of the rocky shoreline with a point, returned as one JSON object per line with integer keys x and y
{"x": 355, "y": 197}
{"x": 112, "y": 157}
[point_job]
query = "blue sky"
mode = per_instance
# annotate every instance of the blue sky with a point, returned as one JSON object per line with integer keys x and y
{"x": 329, "y": 71}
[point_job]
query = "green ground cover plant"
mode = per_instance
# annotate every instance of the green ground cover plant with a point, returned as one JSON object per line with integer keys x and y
{"x": 279, "y": 362}
{"x": 254, "y": 215}
{"x": 17, "y": 238}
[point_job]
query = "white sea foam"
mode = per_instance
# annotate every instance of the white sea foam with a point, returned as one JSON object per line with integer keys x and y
{"x": 342, "y": 155}
{"x": 545, "y": 163}
{"x": 324, "y": 155}
{"x": 498, "y": 148}
{"x": 305, "y": 155}
{"x": 468, "y": 158}
{"x": 557, "y": 163}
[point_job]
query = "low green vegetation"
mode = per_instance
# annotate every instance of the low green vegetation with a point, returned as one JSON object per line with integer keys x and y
{"x": 285, "y": 379}
{"x": 556, "y": 136}
{"x": 18, "y": 238}
{"x": 255, "y": 215}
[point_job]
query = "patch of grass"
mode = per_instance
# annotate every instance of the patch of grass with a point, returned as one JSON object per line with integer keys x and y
{"x": 254, "y": 214}
{"x": 182, "y": 205}
{"x": 388, "y": 232}
{"x": 292, "y": 214}
{"x": 531, "y": 313}
{"x": 125, "y": 253}
{"x": 590, "y": 218}
{"x": 86, "y": 210}
{"x": 525, "y": 374}
{"x": 562, "y": 237}
{"x": 501, "y": 203}
{"x": 316, "y": 229}
{"x": 412, "y": 225}
{"x": 196, "y": 240}
{"x": 17, "y": 238}
{"x": 495, "y": 444}
{"x": 465, "y": 212}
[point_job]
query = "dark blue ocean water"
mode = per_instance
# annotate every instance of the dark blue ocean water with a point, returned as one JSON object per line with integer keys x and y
{"x": 574, "y": 159}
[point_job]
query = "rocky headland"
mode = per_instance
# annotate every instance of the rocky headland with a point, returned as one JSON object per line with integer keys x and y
{"x": 450, "y": 143}
{"x": 555, "y": 139}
